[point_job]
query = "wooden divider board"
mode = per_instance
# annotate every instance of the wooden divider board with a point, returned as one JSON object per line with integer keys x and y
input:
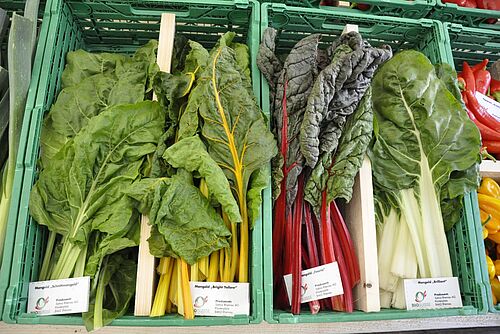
{"x": 146, "y": 277}
{"x": 360, "y": 220}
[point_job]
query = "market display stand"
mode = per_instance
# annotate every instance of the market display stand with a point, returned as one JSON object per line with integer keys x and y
{"x": 488, "y": 320}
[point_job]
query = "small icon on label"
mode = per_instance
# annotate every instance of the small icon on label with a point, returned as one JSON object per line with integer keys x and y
{"x": 200, "y": 301}
{"x": 420, "y": 296}
{"x": 303, "y": 290}
{"x": 40, "y": 303}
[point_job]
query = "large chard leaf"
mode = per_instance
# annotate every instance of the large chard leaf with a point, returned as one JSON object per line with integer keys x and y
{"x": 83, "y": 188}
{"x": 191, "y": 155}
{"x": 294, "y": 86}
{"x": 233, "y": 125}
{"x": 336, "y": 94}
{"x": 267, "y": 61}
{"x": 417, "y": 118}
{"x": 425, "y": 148}
{"x": 92, "y": 83}
{"x": 338, "y": 178}
{"x": 317, "y": 105}
{"x": 188, "y": 231}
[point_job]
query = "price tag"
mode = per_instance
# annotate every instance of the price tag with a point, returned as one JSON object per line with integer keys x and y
{"x": 63, "y": 296}
{"x": 492, "y": 106}
{"x": 217, "y": 299}
{"x": 432, "y": 293}
{"x": 317, "y": 283}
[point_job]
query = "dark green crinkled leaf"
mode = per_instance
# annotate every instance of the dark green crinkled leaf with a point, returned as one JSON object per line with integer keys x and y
{"x": 83, "y": 188}
{"x": 181, "y": 49}
{"x": 317, "y": 106}
{"x": 189, "y": 231}
{"x": 351, "y": 151}
{"x": 336, "y": 94}
{"x": 267, "y": 61}
{"x": 298, "y": 75}
{"x": 191, "y": 155}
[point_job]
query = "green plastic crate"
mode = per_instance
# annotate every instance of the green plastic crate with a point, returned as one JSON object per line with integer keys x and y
{"x": 414, "y": 9}
{"x": 429, "y": 37}
{"x": 119, "y": 26}
{"x": 473, "y": 45}
{"x": 473, "y": 17}
{"x": 18, "y": 7}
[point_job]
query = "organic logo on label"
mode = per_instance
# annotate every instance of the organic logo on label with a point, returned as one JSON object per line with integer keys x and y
{"x": 420, "y": 296}
{"x": 303, "y": 290}
{"x": 41, "y": 302}
{"x": 200, "y": 301}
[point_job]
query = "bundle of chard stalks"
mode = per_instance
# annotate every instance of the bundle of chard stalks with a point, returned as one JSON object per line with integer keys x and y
{"x": 322, "y": 117}
{"x": 213, "y": 171}
{"x": 194, "y": 162}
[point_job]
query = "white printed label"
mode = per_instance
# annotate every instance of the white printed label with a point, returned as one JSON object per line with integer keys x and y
{"x": 62, "y": 296}
{"x": 317, "y": 283}
{"x": 492, "y": 106}
{"x": 432, "y": 293}
{"x": 217, "y": 299}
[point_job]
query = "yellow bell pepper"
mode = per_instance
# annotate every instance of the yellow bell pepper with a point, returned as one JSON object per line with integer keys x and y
{"x": 497, "y": 267}
{"x": 495, "y": 301}
{"x": 485, "y": 232}
{"x": 490, "y": 202}
{"x": 494, "y": 237}
{"x": 490, "y": 222}
{"x": 489, "y": 187}
{"x": 495, "y": 288}
{"x": 491, "y": 267}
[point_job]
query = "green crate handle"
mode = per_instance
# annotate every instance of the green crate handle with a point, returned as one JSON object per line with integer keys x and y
{"x": 152, "y": 12}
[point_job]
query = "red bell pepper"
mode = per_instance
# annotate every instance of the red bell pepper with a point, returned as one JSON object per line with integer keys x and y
{"x": 488, "y": 4}
{"x": 492, "y": 146}
{"x": 480, "y": 66}
{"x": 486, "y": 132}
{"x": 483, "y": 80}
{"x": 468, "y": 75}
{"x": 481, "y": 113}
